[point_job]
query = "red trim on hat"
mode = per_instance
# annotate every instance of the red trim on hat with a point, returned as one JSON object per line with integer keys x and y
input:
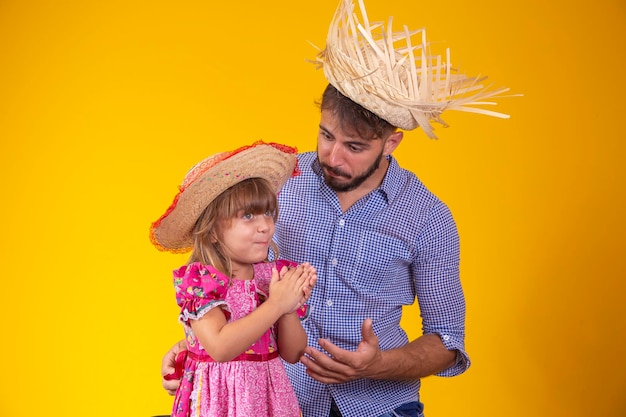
{"x": 200, "y": 169}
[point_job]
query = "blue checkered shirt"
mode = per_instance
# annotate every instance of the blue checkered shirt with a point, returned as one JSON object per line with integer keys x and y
{"x": 394, "y": 245}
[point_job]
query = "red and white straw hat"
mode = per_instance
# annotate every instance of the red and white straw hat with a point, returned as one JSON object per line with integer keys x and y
{"x": 209, "y": 178}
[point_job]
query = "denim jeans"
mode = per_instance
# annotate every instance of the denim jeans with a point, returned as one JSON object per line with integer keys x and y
{"x": 412, "y": 409}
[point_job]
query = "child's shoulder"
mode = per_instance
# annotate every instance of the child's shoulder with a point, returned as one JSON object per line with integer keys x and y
{"x": 199, "y": 275}
{"x": 198, "y": 269}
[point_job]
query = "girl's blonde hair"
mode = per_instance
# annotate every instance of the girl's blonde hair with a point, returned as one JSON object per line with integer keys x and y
{"x": 253, "y": 195}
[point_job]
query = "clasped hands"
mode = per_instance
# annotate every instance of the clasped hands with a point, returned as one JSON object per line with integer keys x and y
{"x": 301, "y": 278}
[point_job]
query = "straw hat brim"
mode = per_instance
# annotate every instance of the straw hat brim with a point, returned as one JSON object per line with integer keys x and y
{"x": 210, "y": 177}
{"x": 395, "y": 75}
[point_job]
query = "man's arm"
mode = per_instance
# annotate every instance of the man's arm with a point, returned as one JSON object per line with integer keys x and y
{"x": 424, "y": 356}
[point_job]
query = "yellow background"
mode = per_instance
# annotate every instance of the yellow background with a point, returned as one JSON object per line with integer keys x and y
{"x": 104, "y": 105}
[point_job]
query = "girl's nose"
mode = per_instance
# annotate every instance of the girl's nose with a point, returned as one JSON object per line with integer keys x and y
{"x": 264, "y": 223}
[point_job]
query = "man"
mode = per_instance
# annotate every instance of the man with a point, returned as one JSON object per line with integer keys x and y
{"x": 378, "y": 239}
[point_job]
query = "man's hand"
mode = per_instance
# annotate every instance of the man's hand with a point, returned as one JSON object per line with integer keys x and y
{"x": 341, "y": 365}
{"x": 168, "y": 367}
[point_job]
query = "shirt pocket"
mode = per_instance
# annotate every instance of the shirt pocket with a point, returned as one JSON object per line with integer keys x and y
{"x": 382, "y": 265}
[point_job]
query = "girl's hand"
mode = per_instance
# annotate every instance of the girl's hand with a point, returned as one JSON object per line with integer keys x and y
{"x": 307, "y": 287}
{"x": 286, "y": 287}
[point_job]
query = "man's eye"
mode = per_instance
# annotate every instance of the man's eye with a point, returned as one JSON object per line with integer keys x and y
{"x": 325, "y": 135}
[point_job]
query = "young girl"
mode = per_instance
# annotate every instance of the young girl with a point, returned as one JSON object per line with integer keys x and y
{"x": 241, "y": 313}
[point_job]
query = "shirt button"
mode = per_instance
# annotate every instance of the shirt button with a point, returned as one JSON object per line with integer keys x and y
{"x": 342, "y": 222}
{"x": 446, "y": 337}
{"x": 333, "y": 262}
{"x": 329, "y": 303}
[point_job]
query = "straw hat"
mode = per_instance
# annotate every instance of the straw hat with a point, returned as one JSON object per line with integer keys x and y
{"x": 209, "y": 178}
{"x": 394, "y": 75}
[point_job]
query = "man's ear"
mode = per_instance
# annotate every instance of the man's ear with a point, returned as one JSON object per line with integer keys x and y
{"x": 392, "y": 142}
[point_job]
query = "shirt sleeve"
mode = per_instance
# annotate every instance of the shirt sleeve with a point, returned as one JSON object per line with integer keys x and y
{"x": 199, "y": 289}
{"x": 438, "y": 286}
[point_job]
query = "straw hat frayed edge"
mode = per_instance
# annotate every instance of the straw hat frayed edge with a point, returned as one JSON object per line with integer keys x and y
{"x": 395, "y": 76}
{"x": 206, "y": 180}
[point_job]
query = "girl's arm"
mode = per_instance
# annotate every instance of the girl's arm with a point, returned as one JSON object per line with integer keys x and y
{"x": 291, "y": 338}
{"x": 224, "y": 341}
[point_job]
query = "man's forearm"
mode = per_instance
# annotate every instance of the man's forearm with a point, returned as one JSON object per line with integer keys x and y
{"x": 422, "y": 357}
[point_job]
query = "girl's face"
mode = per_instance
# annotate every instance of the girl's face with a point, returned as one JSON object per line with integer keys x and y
{"x": 247, "y": 238}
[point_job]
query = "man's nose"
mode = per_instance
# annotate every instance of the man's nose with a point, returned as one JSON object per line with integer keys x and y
{"x": 335, "y": 157}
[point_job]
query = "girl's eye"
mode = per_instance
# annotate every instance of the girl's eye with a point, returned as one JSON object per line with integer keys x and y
{"x": 248, "y": 216}
{"x": 268, "y": 214}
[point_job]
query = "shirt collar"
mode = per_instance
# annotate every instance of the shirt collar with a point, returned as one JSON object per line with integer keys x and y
{"x": 390, "y": 187}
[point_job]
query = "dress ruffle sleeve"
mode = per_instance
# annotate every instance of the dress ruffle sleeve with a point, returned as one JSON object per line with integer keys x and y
{"x": 199, "y": 289}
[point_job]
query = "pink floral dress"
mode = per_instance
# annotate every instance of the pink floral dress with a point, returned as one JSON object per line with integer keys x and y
{"x": 254, "y": 384}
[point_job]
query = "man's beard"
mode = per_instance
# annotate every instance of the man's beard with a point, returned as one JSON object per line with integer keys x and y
{"x": 340, "y": 187}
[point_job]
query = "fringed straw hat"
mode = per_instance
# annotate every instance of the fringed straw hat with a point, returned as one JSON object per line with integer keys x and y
{"x": 394, "y": 75}
{"x": 209, "y": 178}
